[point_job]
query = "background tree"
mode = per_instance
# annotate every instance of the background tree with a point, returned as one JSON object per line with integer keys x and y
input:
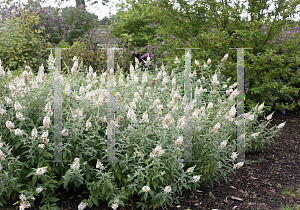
{"x": 84, "y": 22}
{"x": 104, "y": 20}
{"x": 61, "y": 25}
{"x": 51, "y": 28}
{"x": 20, "y": 43}
{"x": 82, "y": 3}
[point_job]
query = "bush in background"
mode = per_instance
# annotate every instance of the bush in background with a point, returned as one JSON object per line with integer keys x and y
{"x": 19, "y": 43}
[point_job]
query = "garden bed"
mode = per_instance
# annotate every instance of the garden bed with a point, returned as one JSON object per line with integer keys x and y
{"x": 262, "y": 184}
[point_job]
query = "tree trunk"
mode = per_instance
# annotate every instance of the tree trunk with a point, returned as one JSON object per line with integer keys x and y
{"x": 79, "y": 3}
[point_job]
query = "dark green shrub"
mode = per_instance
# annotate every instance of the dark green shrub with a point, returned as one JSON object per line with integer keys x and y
{"x": 63, "y": 44}
{"x": 20, "y": 43}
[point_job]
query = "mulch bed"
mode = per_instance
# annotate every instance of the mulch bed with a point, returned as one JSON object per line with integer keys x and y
{"x": 259, "y": 185}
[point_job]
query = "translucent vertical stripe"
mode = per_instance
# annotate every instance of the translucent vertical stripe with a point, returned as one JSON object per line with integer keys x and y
{"x": 187, "y": 135}
{"x": 240, "y": 105}
{"x": 57, "y": 107}
{"x": 110, "y": 106}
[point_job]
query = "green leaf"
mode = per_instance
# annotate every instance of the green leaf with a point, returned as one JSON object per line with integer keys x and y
{"x": 34, "y": 179}
{"x": 17, "y": 144}
{"x": 110, "y": 185}
{"x": 51, "y": 186}
{"x": 151, "y": 193}
{"x": 145, "y": 196}
{"x": 90, "y": 203}
{"x": 53, "y": 199}
{"x": 31, "y": 173}
{"x": 49, "y": 155}
{"x": 140, "y": 192}
{"x": 164, "y": 197}
{"x": 96, "y": 201}
{"x": 54, "y": 181}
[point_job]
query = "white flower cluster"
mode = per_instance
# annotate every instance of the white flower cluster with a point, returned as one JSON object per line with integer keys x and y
{"x": 76, "y": 164}
{"x": 101, "y": 99}
{"x": 254, "y": 135}
{"x": 90, "y": 95}
{"x": 234, "y": 156}
{"x": 260, "y": 107}
{"x": 232, "y": 113}
{"x": 45, "y": 137}
{"x": 2, "y": 111}
{"x": 41, "y": 76}
{"x": 281, "y": 125}
{"x": 41, "y": 171}
{"x": 145, "y": 118}
{"x": 238, "y": 165}
{"x": 78, "y": 113}
{"x": 216, "y": 128}
{"x": 191, "y": 169}
{"x": 39, "y": 189}
{"x": 146, "y": 189}
{"x": 176, "y": 60}
{"x": 131, "y": 115}
{"x": 181, "y": 122}
{"x": 99, "y": 165}
{"x": 199, "y": 91}
{"x": 88, "y": 126}
{"x": 270, "y": 116}
{"x": 18, "y": 106}
{"x": 225, "y": 58}
{"x": 2, "y": 155}
{"x": 136, "y": 97}
{"x": 157, "y": 151}
{"x": 196, "y": 178}
{"x": 46, "y": 121}
{"x": 48, "y": 109}
{"x": 197, "y": 112}
{"x": 115, "y": 204}
{"x": 179, "y": 141}
{"x": 74, "y": 68}
{"x": 103, "y": 119}
{"x": 25, "y": 204}
{"x": 64, "y": 132}
{"x": 167, "y": 189}
{"x": 215, "y": 79}
{"x": 223, "y": 144}
{"x": 18, "y": 132}
{"x": 166, "y": 121}
{"x": 34, "y": 133}
{"x": 233, "y": 94}
{"x": 82, "y": 206}
{"x": 20, "y": 116}
{"x": 249, "y": 116}
{"x": 2, "y": 72}
{"x": 210, "y": 105}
